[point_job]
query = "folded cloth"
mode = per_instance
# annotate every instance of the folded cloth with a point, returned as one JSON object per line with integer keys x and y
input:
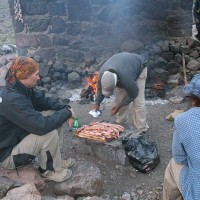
{"x": 95, "y": 113}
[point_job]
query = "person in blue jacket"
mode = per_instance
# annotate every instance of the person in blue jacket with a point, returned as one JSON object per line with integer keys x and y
{"x": 25, "y": 132}
{"x": 182, "y": 175}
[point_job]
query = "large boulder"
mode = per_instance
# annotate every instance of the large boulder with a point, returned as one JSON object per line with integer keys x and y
{"x": 27, "y": 191}
{"x": 85, "y": 181}
{"x": 132, "y": 46}
{"x": 23, "y": 175}
{"x": 74, "y": 80}
{"x": 5, "y": 185}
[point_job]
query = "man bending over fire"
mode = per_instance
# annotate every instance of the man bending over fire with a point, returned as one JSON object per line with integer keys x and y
{"x": 125, "y": 74}
{"x": 25, "y": 132}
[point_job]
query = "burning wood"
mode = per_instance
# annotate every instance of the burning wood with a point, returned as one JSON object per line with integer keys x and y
{"x": 156, "y": 89}
{"x": 90, "y": 90}
{"x": 159, "y": 85}
{"x": 88, "y": 93}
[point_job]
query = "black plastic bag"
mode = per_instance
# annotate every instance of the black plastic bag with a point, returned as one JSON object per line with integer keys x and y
{"x": 143, "y": 155}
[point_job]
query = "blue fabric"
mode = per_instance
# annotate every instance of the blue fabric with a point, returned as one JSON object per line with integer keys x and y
{"x": 193, "y": 87}
{"x": 186, "y": 151}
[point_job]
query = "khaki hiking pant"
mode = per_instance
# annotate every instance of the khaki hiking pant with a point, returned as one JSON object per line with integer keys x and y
{"x": 138, "y": 107}
{"x": 171, "y": 186}
{"x": 46, "y": 146}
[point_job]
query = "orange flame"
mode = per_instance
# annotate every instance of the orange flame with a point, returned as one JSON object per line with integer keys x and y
{"x": 91, "y": 80}
{"x": 158, "y": 85}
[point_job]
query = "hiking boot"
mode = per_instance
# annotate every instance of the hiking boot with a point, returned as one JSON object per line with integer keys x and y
{"x": 59, "y": 176}
{"x": 68, "y": 163}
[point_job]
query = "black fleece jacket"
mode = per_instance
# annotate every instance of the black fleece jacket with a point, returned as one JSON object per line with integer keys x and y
{"x": 20, "y": 115}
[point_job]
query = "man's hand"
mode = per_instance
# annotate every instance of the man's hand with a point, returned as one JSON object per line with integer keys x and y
{"x": 71, "y": 119}
{"x": 96, "y": 107}
{"x": 70, "y": 122}
{"x": 115, "y": 109}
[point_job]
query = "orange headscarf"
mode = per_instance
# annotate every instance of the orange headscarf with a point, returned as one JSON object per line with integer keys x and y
{"x": 22, "y": 68}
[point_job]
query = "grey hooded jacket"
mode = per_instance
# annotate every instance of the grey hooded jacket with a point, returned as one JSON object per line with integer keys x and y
{"x": 128, "y": 67}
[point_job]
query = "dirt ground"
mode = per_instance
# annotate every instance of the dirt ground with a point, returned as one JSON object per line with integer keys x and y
{"x": 122, "y": 181}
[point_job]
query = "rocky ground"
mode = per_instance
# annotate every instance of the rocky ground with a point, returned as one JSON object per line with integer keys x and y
{"x": 6, "y": 28}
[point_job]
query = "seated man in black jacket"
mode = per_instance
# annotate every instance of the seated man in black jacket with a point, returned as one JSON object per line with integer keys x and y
{"x": 24, "y": 132}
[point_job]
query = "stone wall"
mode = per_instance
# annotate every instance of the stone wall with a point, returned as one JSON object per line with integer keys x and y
{"x": 6, "y": 30}
{"x": 70, "y": 30}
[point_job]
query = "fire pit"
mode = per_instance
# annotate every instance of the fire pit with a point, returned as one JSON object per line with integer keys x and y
{"x": 155, "y": 89}
{"x": 88, "y": 94}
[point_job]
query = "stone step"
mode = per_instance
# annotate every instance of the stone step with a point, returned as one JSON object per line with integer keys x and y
{"x": 109, "y": 152}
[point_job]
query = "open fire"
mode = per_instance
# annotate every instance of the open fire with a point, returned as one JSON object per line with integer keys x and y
{"x": 90, "y": 90}
{"x": 155, "y": 89}
{"x": 88, "y": 94}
